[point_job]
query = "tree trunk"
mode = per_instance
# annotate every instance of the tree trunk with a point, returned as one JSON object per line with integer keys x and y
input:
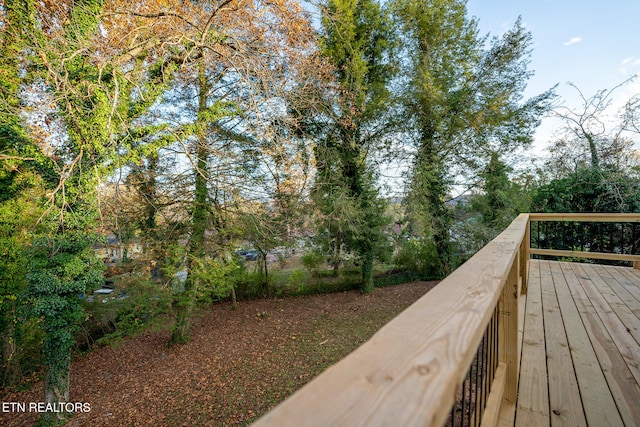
{"x": 593, "y": 150}
{"x": 185, "y": 299}
{"x": 184, "y": 307}
{"x": 431, "y": 189}
{"x": 367, "y": 272}
{"x": 266, "y": 273}
{"x": 11, "y": 372}
{"x": 58, "y": 344}
{"x": 336, "y": 254}
{"x": 234, "y": 301}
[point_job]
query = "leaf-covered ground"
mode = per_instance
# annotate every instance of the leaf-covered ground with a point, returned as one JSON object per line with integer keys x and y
{"x": 237, "y": 366}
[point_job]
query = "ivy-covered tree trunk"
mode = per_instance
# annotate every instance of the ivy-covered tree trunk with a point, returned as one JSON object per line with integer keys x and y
{"x": 185, "y": 300}
{"x": 337, "y": 253}
{"x": 10, "y": 363}
{"x": 58, "y": 345}
{"x": 361, "y": 240}
{"x": 356, "y": 40}
{"x": 431, "y": 217}
{"x": 61, "y": 268}
{"x": 367, "y": 271}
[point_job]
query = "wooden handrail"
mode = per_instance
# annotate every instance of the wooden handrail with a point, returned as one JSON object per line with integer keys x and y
{"x": 585, "y": 217}
{"x": 407, "y": 374}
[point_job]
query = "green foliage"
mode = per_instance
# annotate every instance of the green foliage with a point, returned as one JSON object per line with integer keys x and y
{"x": 356, "y": 41}
{"x": 491, "y": 211}
{"x": 215, "y": 278}
{"x": 60, "y": 268}
{"x": 250, "y": 285}
{"x": 393, "y": 278}
{"x": 461, "y": 99}
{"x": 29, "y": 339}
{"x": 590, "y": 189}
{"x": 427, "y": 211}
{"x": 23, "y": 179}
{"x": 295, "y": 282}
{"x": 312, "y": 260}
{"x": 135, "y": 305}
{"x": 420, "y": 255}
{"x": 87, "y": 106}
{"x": 598, "y": 189}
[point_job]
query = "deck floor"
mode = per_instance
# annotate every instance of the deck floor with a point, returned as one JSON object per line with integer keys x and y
{"x": 580, "y": 360}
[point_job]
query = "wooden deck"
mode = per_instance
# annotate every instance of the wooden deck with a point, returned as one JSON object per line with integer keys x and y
{"x": 580, "y": 360}
{"x": 567, "y": 345}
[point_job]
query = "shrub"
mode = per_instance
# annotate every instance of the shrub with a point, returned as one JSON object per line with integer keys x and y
{"x": 135, "y": 304}
{"x": 421, "y": 256}
{"x": 215, "y": 278}
{"x": 312, "y": 261}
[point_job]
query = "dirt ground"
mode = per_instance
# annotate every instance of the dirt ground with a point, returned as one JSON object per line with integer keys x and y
{"x": 237, "y": 366}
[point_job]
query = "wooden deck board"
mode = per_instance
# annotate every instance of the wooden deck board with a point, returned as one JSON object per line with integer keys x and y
{"x": 617, "y": 305}
{"x": 564, "y": 395}
{"x": 599, "y": 408}
{"x": 586, "y": 318}
{"x": 619, "y": 332}
{"x": 630, "y": 279}
{"x": 622, "y": 286}
{"x": 533, "y": 392}
{"x": 622, "y": 385}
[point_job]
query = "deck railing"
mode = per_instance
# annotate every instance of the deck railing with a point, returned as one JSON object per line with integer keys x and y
{"x": 450, "y": 358}
{"x": 611, "y": 237}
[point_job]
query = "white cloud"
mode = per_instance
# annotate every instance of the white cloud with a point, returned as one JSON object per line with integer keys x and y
{"x": 573, "y": 40}
{"x": 629, "y": 66}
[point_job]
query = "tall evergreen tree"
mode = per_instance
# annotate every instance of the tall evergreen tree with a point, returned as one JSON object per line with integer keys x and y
{"x": 462, "y": 100}
{"x": 356, "y": 39}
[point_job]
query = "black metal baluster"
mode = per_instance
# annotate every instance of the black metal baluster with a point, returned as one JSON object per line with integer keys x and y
{"x": 452, "y": 416}
{"x": 484, "y": 371}
{"x": 476, "y": 388}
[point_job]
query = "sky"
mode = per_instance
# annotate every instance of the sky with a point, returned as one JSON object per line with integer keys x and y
{"x": 594, "y": 44}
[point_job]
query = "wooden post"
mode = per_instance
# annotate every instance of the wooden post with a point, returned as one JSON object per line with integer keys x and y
{"x": 525, "y": 254}
{"x": 636, "y": 265}
{"x": 508, "y": 332}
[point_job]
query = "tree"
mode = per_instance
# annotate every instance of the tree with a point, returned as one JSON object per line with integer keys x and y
{"x": 590, "y": 189}
{"x": 23, "y": 177}
{"x": 593, "y": 164}
{"x": 593, "y": 134}
{"x": 76, "y": 103}
{"x": 356, "y": 41}
{"x": 500, "y": 200}
{"x": 462, "y": 101}
{"x": 242, "y": 62}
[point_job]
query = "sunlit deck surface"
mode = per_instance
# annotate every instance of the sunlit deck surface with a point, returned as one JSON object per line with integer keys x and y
{"x": 580, "y": 360}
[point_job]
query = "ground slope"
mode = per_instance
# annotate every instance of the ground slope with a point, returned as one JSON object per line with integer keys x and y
{"x": 237, "y": 366}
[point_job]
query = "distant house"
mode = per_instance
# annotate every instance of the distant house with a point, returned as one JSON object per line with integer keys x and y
{"x": 461, "y": 200}
{"x": 113, "y": 250}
